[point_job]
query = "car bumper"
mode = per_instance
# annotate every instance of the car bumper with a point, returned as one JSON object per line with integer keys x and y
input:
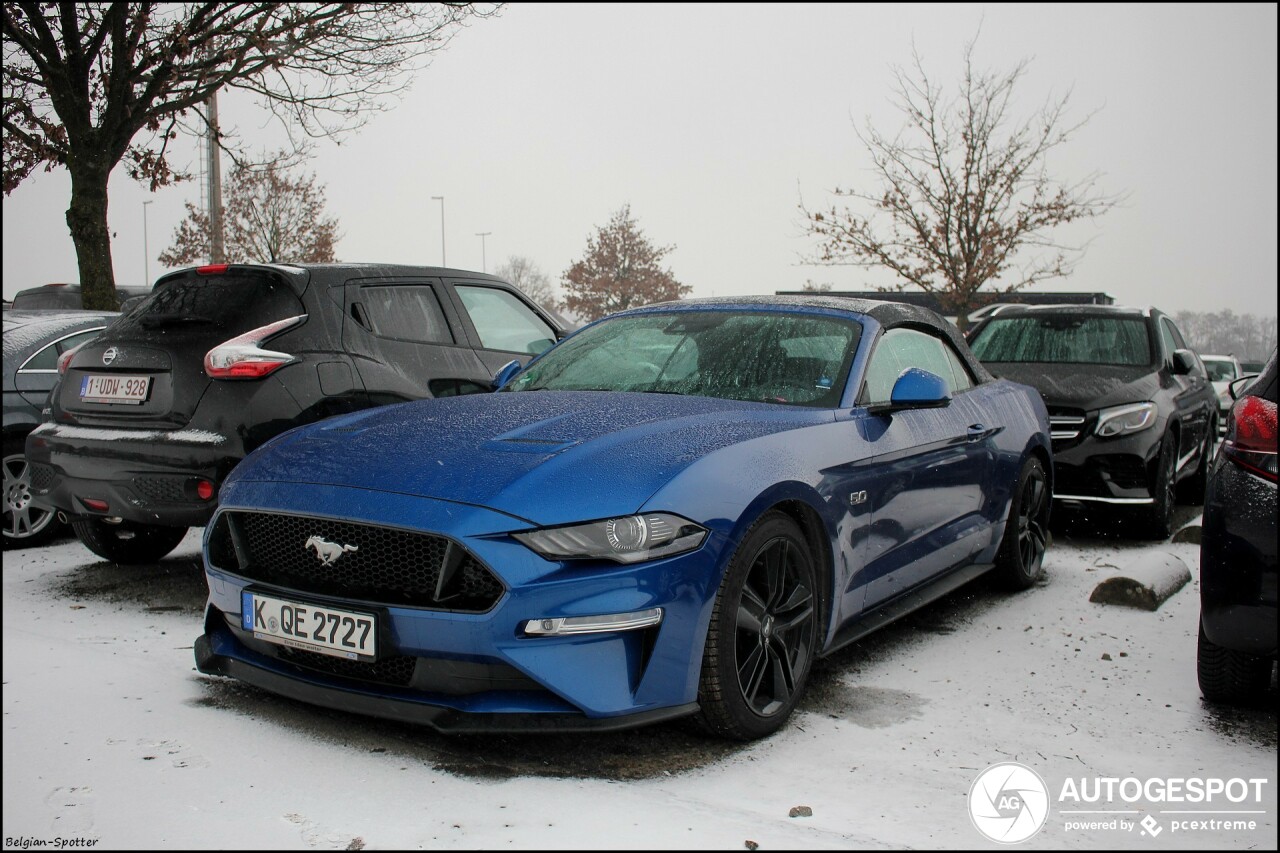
{"x": 1238, "y": 588}
{"x": 1113, "y": 471}
{"x": 134, "y": 472}
{"x": 462, "y": 671}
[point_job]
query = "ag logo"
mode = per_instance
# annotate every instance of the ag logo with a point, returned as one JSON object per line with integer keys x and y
{"x": 1008, "y": 803}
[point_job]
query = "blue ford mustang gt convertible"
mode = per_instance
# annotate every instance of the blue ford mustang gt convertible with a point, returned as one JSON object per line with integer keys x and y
{"x": 672, "y": 512}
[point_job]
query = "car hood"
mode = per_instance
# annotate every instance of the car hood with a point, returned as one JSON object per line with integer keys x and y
{"x": 1082, "y": 386}
{"x": 542, "y": 456}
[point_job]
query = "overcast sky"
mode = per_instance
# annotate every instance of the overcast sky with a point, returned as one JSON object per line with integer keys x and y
{"x": 714, "y": 121}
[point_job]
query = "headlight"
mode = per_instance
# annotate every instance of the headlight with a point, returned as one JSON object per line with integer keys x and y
{"x": 1123, "y": 420}
{"x": 628, "y": 539}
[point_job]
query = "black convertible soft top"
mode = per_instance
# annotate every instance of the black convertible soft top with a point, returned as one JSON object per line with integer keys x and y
{"x": 890, "y": 315}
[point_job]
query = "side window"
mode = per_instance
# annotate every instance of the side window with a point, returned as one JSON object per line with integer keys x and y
{"x": 1167, "y": 339}
{"x": 503, "y": 322}
{"x": 406, "y": 313}
{"x": 899, "y": 349}
{"x": 47, "y": 358}
{"x": 963, "y": 379}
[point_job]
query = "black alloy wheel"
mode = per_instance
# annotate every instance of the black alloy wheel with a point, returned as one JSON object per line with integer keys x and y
{"x": 25, "y": 525}
{"x": 1026, "y": 537}
{"x": 763, "y": 633}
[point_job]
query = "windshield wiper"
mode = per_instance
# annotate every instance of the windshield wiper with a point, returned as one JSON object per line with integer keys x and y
{"x": 155, "y": 321}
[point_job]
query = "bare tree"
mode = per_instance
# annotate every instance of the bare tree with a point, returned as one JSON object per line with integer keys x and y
{"x": 269, "y": 216}
{"x": 526, "y": 275}
{"x": 621, "y": 269}
{"x": 88, "y": 85}
{"x": 1249, "y": 337}
{"x": 964, "y": 191}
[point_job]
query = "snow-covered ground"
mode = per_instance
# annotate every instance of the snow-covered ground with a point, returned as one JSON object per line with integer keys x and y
{"x": 112, "y": 737}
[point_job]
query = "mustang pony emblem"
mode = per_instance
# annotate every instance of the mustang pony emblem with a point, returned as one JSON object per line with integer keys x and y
{"x": 327, "y": 551}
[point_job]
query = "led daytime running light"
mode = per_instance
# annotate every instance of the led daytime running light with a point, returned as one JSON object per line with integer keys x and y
{"x": 624, "y": 539}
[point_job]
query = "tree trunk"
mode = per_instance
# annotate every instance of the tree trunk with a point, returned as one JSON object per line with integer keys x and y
{"x": 87, "y": 221}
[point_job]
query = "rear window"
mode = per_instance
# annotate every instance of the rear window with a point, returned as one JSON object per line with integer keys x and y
{"x": 44, "y": 299}
{"x": 1064, "y": 339}
{"x": 227, "y": 304}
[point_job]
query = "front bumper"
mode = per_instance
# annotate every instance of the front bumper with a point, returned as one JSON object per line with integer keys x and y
{"x": 147, "y": 476}
{"x": 464, "y": 671}
{"x": 1115, "y": 471}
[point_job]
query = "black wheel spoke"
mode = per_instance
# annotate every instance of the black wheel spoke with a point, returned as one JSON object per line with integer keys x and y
{"x": 751, "y": 673}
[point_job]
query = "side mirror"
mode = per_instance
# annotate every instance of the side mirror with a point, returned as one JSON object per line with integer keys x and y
{"x": 505, "y": 374}
{"x": 1237, "y": 386}
{"x": 916, "y": 389}
{"x": 1184, "y": 363}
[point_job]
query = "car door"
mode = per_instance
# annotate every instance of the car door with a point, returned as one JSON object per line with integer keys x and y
{"x": 928, "y": 480}
{"x": 502, "y": 323}
{"x": 408, "y": 342}
{"x": 1193, "y": 397}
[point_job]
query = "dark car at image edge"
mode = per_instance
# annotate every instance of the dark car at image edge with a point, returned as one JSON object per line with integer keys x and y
{"x": 1134, "y": 416}
{"x": 1237, "y": 641}
{"x": 150, "y": 418}
{"x": 33, "y": 342}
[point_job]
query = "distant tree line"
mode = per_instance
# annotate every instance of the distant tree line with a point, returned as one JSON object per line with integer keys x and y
{"x": 1249, "y": 337}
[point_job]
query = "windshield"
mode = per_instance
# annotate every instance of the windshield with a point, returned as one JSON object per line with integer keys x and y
{"x": 1219, "y": 371}
{"x": 801, "y": 359}
{"x": 1064, "y": 339}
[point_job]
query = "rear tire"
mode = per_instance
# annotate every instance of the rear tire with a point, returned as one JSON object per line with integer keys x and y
{"x": 25, "y": 525}
{"x": 1020, "y": 561}
{"x": 128, "y": 542}
{"x": 1231, "y": 677}
{"x": 763, "y": 633}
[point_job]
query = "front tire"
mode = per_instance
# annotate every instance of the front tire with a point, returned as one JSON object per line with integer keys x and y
{"x": 1192, "y": 490}
{"x": 763, "y": 633}
{"x": 1230, "y": 677}
{"x": 1159, "y": 517}
{"x": 128, "y": 542}
{"x": 25, "y": 525}
{"x": 1020, "y": 561}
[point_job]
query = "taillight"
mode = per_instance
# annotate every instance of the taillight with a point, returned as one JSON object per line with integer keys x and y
{"x": 242, "y": 358}
{"x": 1251, "y": 436}
{"x": 212, "y": 269}
{"x": 64, "y": 360}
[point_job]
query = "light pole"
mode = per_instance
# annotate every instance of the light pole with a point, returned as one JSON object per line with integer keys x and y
{"x": 440, "y": 198}
{"x": 482, "y": 235}
{"x": 146, "y": 249}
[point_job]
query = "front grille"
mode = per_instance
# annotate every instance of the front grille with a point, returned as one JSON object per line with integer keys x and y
{"x": 42, "y": 477}
{"x": 166, "y": 490}
{"x": 1124, "y": 471}
{"x": 377, "y": 564}
{"x": 1067, "y": 426}
{"x": 396, "y": 669}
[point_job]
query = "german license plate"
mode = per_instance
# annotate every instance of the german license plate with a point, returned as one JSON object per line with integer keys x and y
{"x": 96, "y": 388}
{"x": 311, "y": 627}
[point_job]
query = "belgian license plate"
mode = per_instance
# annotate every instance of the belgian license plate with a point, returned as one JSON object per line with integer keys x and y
{"x": 96, "y": 388}
{"x": 311, "y": 627}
